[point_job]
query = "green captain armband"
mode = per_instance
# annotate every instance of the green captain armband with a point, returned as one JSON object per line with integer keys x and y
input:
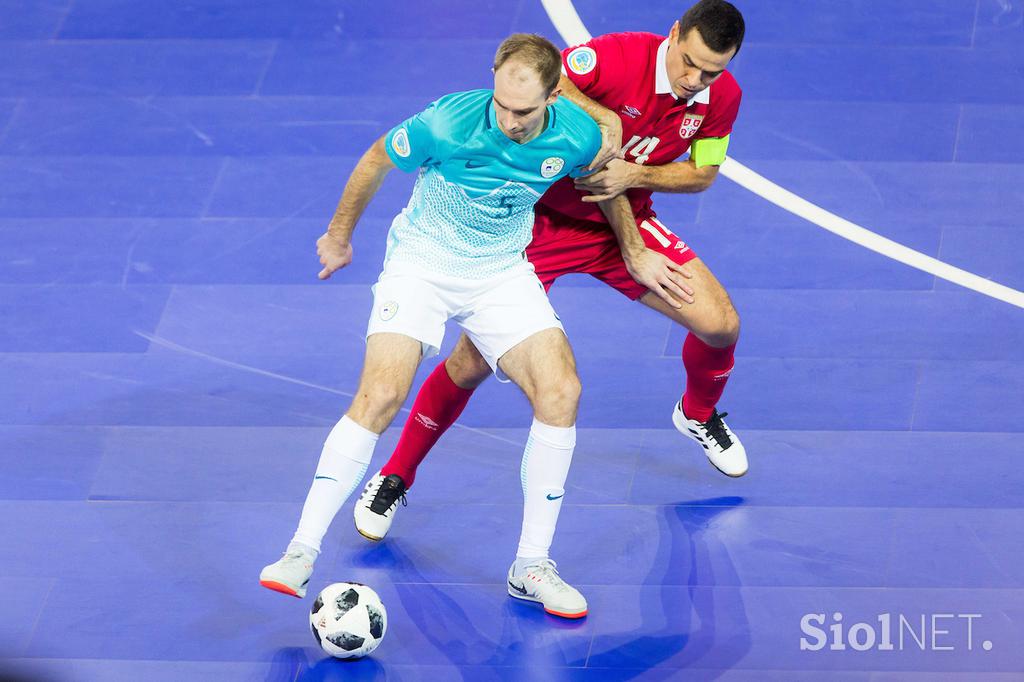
{"x": 709, "y": 151}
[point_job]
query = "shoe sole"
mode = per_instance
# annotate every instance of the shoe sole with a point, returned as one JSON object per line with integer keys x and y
{"x": 366, "y": 535}
{"x": 686, "y": 432}
{"x": 371, "y": 538}
{"x": 560, "y": 614}
{"x": 280, "y": 587}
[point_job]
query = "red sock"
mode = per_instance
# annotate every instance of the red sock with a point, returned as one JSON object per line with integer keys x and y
{"x": 707, "y": 371}
{"x": 438, "y": 404}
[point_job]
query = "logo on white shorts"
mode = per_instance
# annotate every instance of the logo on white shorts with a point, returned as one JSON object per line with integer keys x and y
{"x": 400, "y": 143}
{"x": 582, "y": 60}
{"x": 388, "y": 310}
{"x": 552, "y": 166}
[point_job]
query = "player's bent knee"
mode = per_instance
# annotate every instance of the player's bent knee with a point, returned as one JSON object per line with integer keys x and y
{"x": 729, "y": 328}
{"x": 467, "y": 370}
{"x": 376, "y": 405}
{"x": 465, "y": 366}
{"x": 557, "y": 399}
{"x": 568, "y": 390}
{"x": 719, "y": 326}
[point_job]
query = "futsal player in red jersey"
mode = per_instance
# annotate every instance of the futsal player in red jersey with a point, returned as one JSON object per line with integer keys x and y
{"x": 656, "y": 98}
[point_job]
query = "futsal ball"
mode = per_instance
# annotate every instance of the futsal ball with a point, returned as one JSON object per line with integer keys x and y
{"x": 348, "y": 620}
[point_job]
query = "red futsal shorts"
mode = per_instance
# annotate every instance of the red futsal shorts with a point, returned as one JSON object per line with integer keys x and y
{"x": 563, "y": 245}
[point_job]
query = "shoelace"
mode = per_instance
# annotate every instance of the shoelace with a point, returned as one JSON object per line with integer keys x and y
{"x": 296, "y": 555}
{"x": 548, "y": 569}
{"x": 716, "y": 429}
{"x": 391, "y": 489}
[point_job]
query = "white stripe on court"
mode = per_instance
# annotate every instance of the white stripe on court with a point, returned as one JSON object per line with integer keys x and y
{"x": 155, "y": 340}
{"x": 569, "y": 25}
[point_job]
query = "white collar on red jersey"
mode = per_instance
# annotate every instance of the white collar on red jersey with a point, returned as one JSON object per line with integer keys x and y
{"x": 662, "y": 85}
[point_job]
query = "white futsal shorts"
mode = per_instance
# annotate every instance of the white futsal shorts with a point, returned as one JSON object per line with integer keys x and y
{"x": 496, "y": 313}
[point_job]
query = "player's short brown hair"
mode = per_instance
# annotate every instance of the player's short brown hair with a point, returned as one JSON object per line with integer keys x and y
{"x": 534, "y": 51}
{"x": 719, "y": 23}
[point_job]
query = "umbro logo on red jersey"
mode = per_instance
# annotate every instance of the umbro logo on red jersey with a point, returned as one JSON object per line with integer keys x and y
{"x": 632, "y": 112}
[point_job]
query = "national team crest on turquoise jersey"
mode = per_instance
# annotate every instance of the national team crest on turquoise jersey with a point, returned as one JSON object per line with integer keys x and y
{"x": 551, "y": 167}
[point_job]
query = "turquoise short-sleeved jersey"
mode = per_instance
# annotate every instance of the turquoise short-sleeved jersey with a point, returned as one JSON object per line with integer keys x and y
{"x": 471, "y": 210}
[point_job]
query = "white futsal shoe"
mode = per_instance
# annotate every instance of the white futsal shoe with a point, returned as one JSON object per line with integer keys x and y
{"x": 720, "y": 444}
{"x": 375, "y": 511}
{"x": 290, "y": 574}
{"x": 541, "y": 583}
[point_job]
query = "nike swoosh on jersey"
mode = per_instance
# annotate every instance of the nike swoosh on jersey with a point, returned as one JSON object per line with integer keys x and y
{"x": 555, "y": 497}
{"x": 475, "y": 164}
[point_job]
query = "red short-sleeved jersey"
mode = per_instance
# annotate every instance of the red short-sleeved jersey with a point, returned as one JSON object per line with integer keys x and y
{"x": 625, "y": 72}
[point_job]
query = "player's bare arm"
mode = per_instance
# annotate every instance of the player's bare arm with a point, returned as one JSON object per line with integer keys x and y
{"x": 607, "y": 120}
{"x": 663, "y": 277}
{"x": 680, "y": 177}
{"x": 335, "y": 246}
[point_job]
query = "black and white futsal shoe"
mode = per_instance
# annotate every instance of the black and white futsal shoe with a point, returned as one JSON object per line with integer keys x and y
{"x": 377, "y": 505}
{"x": 720, "y": 444}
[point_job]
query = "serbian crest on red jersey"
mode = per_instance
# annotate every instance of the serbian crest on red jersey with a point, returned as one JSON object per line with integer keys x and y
{"x": 691, "y": 123}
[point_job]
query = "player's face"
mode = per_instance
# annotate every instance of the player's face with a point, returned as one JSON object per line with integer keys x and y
{"x": 520, "y": 101}
{"x": 691, "y": 64}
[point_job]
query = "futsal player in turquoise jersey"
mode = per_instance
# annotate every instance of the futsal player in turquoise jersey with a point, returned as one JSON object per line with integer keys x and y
{"x": 471, "y": 211}
{"x": 456, "y": 252}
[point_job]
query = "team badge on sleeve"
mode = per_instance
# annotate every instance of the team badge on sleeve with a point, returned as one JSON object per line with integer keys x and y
{"x": 400, "y": 143}
{"x": 690, "y": 125}
{"x": 551, "y": 166}
{"x": 582, "y": 60}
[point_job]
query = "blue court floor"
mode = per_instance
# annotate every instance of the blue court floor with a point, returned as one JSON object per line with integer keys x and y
{"x": 169, "y": 364}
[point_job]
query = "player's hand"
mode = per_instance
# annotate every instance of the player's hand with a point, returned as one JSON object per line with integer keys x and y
{"x": 609, "y": 182}
{"x": 334, "y": 254}
{"x": 611, "y": 142}
{"x": 663, "y": 276}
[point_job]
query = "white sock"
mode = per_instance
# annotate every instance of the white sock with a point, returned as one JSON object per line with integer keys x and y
{"x": 343, "y": 463}
{"x": 545, "y": 466}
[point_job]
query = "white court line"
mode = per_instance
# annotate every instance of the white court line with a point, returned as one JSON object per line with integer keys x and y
{"x": 569, "y": 25}
{"x": 178, "y": 348}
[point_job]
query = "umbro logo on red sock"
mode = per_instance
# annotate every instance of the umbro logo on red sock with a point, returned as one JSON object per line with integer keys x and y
{"x": 426, "y": 421}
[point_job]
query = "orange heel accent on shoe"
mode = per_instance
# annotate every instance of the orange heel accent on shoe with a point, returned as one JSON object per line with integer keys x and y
{"x": 278, "y": 587}
{"x": 566, "y": 615}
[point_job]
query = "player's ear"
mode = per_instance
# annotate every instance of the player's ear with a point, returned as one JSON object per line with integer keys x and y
{"x": 553, "y": 96}
{"x": 673, "y": 32}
